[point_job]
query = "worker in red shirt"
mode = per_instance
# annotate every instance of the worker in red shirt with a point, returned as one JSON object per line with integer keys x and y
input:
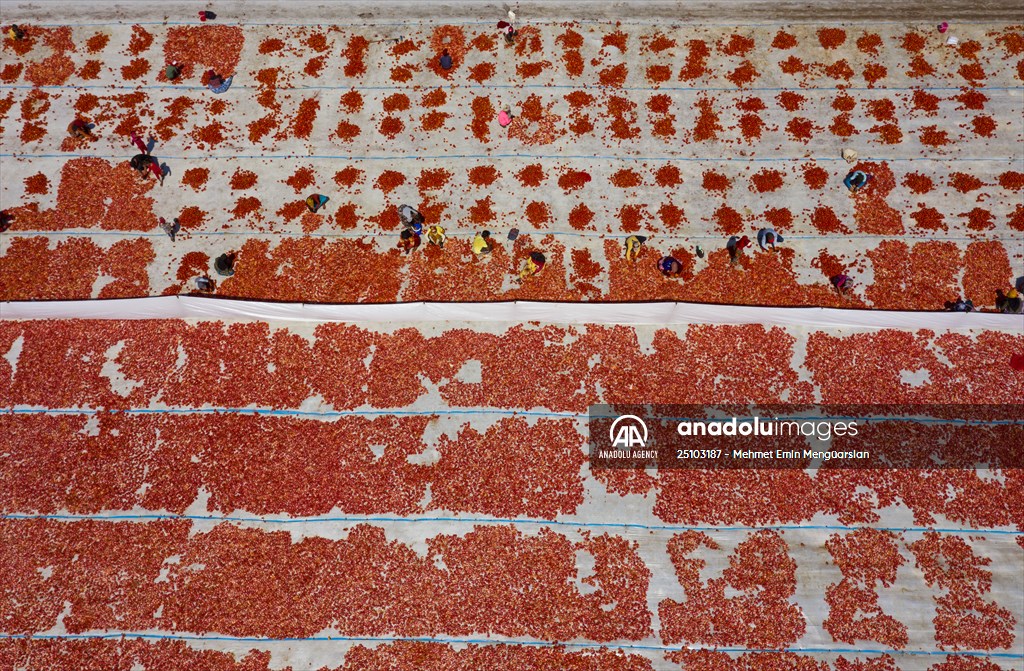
{"x": 735, "y": 247}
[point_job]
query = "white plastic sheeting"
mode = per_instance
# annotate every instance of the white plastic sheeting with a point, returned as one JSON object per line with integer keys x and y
{"x": 200, "y": 307}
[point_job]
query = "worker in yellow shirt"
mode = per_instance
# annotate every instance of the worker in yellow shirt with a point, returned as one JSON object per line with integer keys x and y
{"x": 482, "y": 244}
{"x": 435, "y": 235}
{"x": 534, "y": 264}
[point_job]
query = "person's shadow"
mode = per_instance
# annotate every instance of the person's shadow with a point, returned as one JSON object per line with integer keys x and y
{"x": 150, "y": 145}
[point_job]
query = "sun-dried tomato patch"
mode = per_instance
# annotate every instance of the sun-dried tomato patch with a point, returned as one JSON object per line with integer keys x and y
{"x": 315, "y": 65}
{"x": 801, "y": 129}
{"x": 347, "y": 177}
{"x": 245, "y": 206}
{"x": 965, "y": 183}
{"x": 978, "y": 219}
{"x": 37, "y": 184}
{"x": 743, "y": 75}
{"x": 625, "y": 179}
{"x": 431, "y": 180}
{"x": 347, "y": 131}
{"x": 632, "y": 217}
{"x": 869, "y": 43}
{"x": 1011, "y": 180}
{"x": 270, "y": 45}
{"x": 913, "y": 42}
{"x": 302, "y": 179}
{"x": 971, "y": 98}
{"x": 840, "y": 70}
{"x": 766, "y": 181}
{"x": 389, "y": 180}
{"x": 531, "y": 175}
{"x": 707, "y": 126}
{"x": 728, "y": 220}
{"x": 873, "y": 72}
{"x": 193, "y": 264}
{"x": 831, "y": 38}
{"x": 196, "y": 178}
{"x": 352, "y": 102}
{"x": 396, "y": 102}
{"x": 888, "y": 133}
{"x": 919, "y": 67}
{"x": 191, "y": 217}
{"x": 217, "y": 47}
{"x": 433, "y": 120}
{"x": 614, "y": 75}
{"x": 141, "y": 40}
{"x": 933, "y": 137}
{"x": 738, "y": 45}
{"x": 483, "y": 175}
{"x": 481, "y": 72}
{"x": 784, "y": 40}
{"x": 573, "y": 179}
{"x": 97, "y": 43}
{"x": 696, "y": 60}
{"x": 983, "y": 126}
{"x": 391, "y": 126}
{"x": 917, "y": 182}
{"x": 483, "y": 117}
{"x": 668, "y": 176}
{"x": 11, "y": 72}
{"x": 928, "y": 218}
{"x": 580, "y": 217}
{"x": 825, "y": 220}
{"x": 51, "y": 71}
{"x": 537, "y": 213}
{"x": 355, "y": 53}
{"x": 481, "y": 212}
{"x": 716, "y": 181}
{"x": 778, "y": 217}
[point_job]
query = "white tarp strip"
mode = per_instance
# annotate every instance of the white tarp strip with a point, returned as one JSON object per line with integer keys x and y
{"x": 200, "y": 307}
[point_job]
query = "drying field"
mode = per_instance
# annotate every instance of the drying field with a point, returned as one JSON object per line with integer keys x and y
{"x": 256, "y": 495}
{"x": 688, "y": 135}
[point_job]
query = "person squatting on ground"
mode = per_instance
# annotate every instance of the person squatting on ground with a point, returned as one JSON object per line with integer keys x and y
{"x": 960, "y": 305}
{"x": 856, "y": 180}
{"x": 735, "y": 247}
{"x": 843, "y": 284}
{"x": 225, "y": 263}
{"x": 445, "y": 60}
{"x": 633, "y": 245}
{"x": 80, "y": 129}
{"x": 768, "y": 237}
{"x": 534, "y": 264}
{"x": 205, "y": 284}
{"x": 408, "y": 240}
{"x": 505, "y": 117}
{"x": 6, "y": 219}
{"x": 411, "y": 218}
{"x": 1009, "y": 303}
{"x": 172, "y": 71}
{"x": 508, "y": 31}
{"x": 315, "y": 202}
{"x": 15, "y": 33}
{"x": 669, "y": 266}
{"x": 482, "y": 244}
{"x": 171, "y": 228}
{"x": 435, "y": 235}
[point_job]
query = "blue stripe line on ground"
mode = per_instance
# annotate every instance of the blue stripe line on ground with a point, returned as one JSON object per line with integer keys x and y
{"x": 489, "y": 86}
{"x": 553, "y": 157}
{"x": 533, "y": 643}
{"x": 674, "y": 24}
{"x": 454, "y": 233}
{"x": 370, "y": 519}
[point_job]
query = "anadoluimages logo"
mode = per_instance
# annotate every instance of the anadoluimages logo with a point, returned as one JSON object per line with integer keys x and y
{"x": 627, "y": 432}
